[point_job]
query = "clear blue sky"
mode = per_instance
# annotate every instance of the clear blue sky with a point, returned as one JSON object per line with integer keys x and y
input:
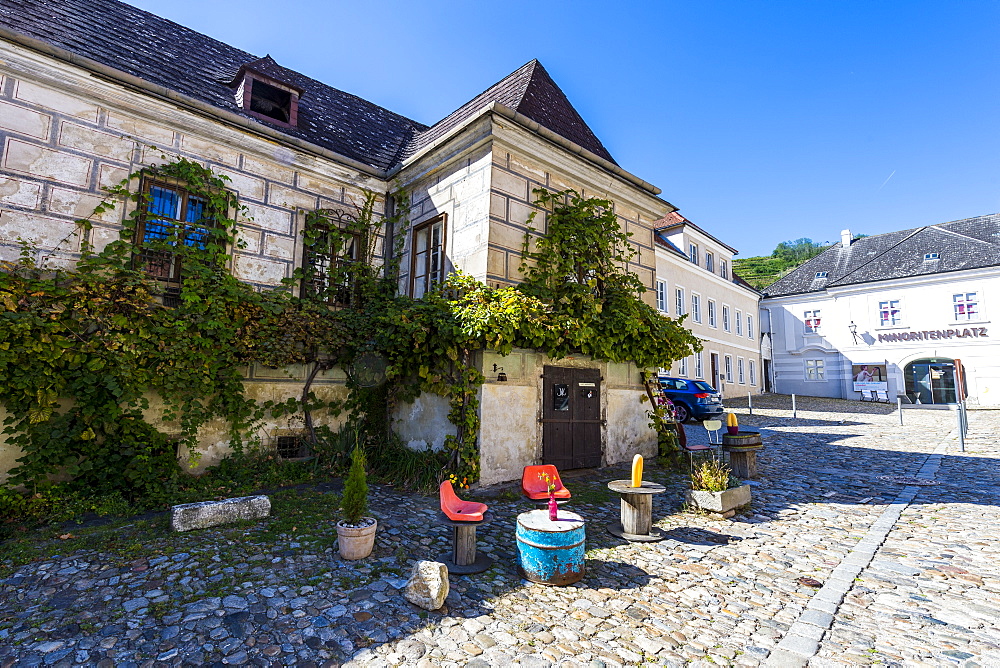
{"x": 761, "y": 121}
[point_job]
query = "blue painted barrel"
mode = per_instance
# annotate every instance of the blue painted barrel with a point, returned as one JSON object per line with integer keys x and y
{"x": 551, "y": 552}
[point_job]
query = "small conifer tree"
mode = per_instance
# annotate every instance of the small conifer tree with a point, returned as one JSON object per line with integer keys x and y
{"x": 354, "y": 503}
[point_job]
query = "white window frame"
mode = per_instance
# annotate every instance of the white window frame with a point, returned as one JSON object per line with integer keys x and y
{"x": 712, "y": 320}
{"x": 679, "y": 301}
{"x": 739, "y": 323}
{"x": 893, "y": 315}
{"x": 815, "y": 370}
{"x": 749, "y": 326}
{"x": 661, "y": 296}
{"x": 726, "y": 323}
{"x": 812, "y": 321}
{"x": 699, "y": 365}
{"x": 741, "y": 371}
{"x": 696, "y": 307}
{"x": 682, "y": 370}
{"x": 693, "y": 252}
{"x": 729, "y": 368}
{"x": 724, "y": 269}
{"x": 710, "y": 261}
{"x": 752, "y": 368}
{"x": 963, "y": 300}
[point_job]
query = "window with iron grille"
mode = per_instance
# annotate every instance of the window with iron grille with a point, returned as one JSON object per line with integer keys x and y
{"x": 291, "y": 447}
{"x": 328, "y": 260}
{"x": 173, "y": 222}
{"x": 427, "y": 256}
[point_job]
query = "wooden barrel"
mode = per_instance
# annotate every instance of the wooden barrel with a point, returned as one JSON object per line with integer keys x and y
{"x": 742, "y": 449}
{"x": 551, "y": 552}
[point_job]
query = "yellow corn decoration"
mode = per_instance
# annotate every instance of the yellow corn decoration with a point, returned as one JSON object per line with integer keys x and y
{"x": 731, "y": 420}
{"x": 637, "y": 471}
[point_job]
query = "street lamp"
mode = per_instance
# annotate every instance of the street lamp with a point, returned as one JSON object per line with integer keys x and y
{"x": 854, "y": 331}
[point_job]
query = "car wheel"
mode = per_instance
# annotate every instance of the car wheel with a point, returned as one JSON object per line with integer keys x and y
{"x": 681, "y": 412}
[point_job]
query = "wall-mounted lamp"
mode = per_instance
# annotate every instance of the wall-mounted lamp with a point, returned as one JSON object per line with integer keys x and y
{"x": 501, "y": 377}
{"x": 854, "y": 331}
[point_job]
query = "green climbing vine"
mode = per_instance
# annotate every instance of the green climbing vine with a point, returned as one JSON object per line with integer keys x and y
{"x": 83, "y": 351}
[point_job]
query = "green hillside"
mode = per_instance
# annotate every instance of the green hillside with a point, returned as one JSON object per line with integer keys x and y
{"x": 762, "y": 271}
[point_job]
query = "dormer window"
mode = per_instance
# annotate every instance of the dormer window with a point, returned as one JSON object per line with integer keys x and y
{"x": 263, "y": 91}
{"x": 931, "y": 256}
{"x": 821, "y": 274}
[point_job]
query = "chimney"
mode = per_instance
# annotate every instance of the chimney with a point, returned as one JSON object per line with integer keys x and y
{"x": 845, "y": 238}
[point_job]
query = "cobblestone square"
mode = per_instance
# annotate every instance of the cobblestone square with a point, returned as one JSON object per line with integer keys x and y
{"x": 908, "y": 574}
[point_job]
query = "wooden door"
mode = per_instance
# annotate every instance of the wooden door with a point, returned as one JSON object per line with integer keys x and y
{"x": 571, "y": 417}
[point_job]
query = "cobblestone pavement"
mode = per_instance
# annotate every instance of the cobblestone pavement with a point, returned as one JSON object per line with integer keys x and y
{"x": 716, "y": 592}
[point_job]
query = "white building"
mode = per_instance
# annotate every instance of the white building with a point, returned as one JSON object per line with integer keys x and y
{"x": 913, "y": 307}
{"x": 694, "y": 277}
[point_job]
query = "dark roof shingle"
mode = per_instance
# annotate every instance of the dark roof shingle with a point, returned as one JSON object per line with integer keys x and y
{"x": 971, "y": 243}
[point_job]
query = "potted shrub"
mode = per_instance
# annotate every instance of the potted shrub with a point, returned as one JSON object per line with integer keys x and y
{"x": 356, "y": 531}
{"x": 715, "y": 489}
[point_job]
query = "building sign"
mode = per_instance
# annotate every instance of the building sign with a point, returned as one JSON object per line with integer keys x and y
{"x": 935, "y": 335}
{"x": 869, "y": 377}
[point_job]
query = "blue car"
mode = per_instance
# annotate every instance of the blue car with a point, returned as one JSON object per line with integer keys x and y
{"x": 692, "y": 398}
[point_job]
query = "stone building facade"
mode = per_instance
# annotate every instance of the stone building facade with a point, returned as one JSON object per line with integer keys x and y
{"x": 85, "y": 103}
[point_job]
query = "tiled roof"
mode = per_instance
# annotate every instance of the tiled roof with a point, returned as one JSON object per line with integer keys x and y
{"x": 166, "y": 54}
{"x": 179, "y": 59}
{"x": 972, "y": 243}
{"x": 529, "y": 90}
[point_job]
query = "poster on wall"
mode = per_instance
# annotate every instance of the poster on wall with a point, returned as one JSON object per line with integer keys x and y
{"x": 869, "y": 377}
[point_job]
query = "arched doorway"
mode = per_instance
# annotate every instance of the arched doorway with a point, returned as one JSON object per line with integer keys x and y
{"x": 930, "y": 380}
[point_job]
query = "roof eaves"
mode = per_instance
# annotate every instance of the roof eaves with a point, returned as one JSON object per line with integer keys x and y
{"x": 710, "y": 236}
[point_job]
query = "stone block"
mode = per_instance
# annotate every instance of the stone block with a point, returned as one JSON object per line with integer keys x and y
{"x": 110, "y": 175}
{"x": 80, "y": 205}
{"x": 46, "y": 163}
{"x": 258, "y": 270}
{"x": 248, "y": 187}
{"x": 210, "y": 150}
{"x": 55, "y": 100}
{"x": 428, "y": 585}
{"x": 719, "y": 502}
{"x": 506, "y": 236}
{"x": 103, "y": 144}
{"x": 510, "y": 184}
{"x": 268, "y": 218}
{"x": 279, "y": 247}
{"x": 496, "y": 263}
{"x": 101, "y": 236}
{"x": 520, "y": 213}
{"x": 20, "y": 193}
{"x": 321, "y": 186}
{"x": 498, "y": 206}
{"x": 39, "y": 231}
{"x": 24, "y": 121}
{"x": 188, "y": 516}
{"x": 157, "y": 134}
{"x": 286, "y": 197}
{"x": 272, "y": 170}
{"x": 250, "y": 241}
{"x": 527, "y": 168}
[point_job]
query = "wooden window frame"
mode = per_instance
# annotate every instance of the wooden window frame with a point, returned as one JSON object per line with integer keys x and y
{"x": 429, "y": 224}
{"x": 334, "y": 261}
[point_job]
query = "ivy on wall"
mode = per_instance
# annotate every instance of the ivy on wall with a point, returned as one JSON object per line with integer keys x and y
{"x": 82, "y": 350}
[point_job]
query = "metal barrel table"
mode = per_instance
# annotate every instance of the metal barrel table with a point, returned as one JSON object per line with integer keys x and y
{"x": 637, "y": 511}
{"x": 551, "y": 551}
{"x": 742, "y": 448}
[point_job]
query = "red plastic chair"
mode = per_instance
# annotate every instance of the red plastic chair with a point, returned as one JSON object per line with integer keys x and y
{"x": 535, "y": 488}
{"x": 458, "y": 510}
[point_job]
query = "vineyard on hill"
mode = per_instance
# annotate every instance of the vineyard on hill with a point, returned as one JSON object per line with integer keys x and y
{"x": 762, "y": 271}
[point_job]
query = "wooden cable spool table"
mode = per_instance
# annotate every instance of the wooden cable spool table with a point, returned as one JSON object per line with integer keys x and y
{"x": 464, "y": 558}
{"x": 637, "y": 511}
{"x": 742, "y": 448}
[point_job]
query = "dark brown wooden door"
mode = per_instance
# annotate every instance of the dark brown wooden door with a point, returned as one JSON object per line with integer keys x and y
{"x": 571, "y": 417}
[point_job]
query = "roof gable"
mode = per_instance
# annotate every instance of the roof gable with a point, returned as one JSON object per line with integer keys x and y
{"x": 530, "y": 91}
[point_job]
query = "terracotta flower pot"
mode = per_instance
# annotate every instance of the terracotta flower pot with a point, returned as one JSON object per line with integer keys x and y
{"x": 356, "y": 542}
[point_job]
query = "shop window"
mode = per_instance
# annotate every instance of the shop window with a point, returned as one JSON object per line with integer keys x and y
{"x": 815, "y": 370}
{"x": 812, "y": 321}
{"x": 427, "y": 256}
{"x": 889, "y": 313}
{"x": 966, "y": 306}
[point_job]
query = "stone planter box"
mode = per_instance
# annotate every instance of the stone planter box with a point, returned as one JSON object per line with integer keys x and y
{"x": 723, "y": 503}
